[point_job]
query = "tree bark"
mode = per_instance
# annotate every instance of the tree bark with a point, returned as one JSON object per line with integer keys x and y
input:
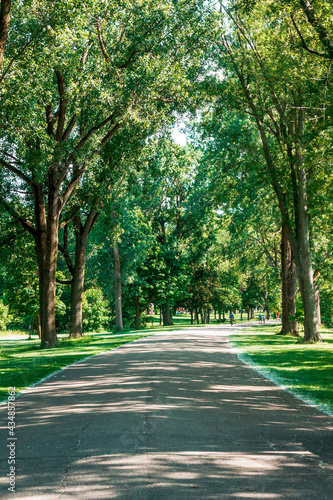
{"x": 4, "y": 26}
{"x": 191, "y": 316}
{"x": 317, "y": 299}
{"x": 288, "y": 278}
{"x": 167, "y": 316}
{"x": 117, "y": 288}
{"x": 39, "y": 329}
{"x": 46, "y": 250}
{"x": 137, "y": 312}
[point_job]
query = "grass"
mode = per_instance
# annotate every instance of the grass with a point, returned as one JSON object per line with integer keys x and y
{"x": 304, "y": 369}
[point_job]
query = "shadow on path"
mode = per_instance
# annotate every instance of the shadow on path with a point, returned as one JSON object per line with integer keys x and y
{"x": 174, "y": 416}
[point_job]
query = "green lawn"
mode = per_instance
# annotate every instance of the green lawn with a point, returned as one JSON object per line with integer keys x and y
{"x": 304, "y": 369}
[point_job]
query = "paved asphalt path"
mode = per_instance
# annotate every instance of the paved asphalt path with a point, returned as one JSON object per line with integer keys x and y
{"x": 174, "y": 416}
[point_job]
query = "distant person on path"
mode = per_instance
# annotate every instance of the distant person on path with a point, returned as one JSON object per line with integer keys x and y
{"x": 260, "y": 318}
{"x": 231, "y": 318}
{"x": 263, "y": 319}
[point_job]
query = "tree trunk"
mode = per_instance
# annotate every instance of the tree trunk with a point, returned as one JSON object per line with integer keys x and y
{"x": 202, "y": 317}
{"x": 77, "y": 270}
{"x": 303, "y": 257}
{"x": 4, "y": 26}
{"x": 299, "y": 238}
{"x": 223, "y": 312}
{"x": 46, "y": 251}
{"x": 167, "y": 316}
{"x": 75, "y": 328}
{"x": 117, "y": 289}
{"x": 161, "y": 317}
{"x": 241, "y": 314}
{"x": 39, "y": 329}
{"x": 288, "y": 278}
{"x": 252, "y": 313}
{"x": 220, "y": 316}
{"x": 317, "y": 298}
{"x": 191, "y": 317}
{"x": 137, "y": 312}
{"x": 197, "y": 316}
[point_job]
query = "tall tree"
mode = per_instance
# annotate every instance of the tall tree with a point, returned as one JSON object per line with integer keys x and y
{"x": 282, "y": 108}
{"x": 64, "y": 107}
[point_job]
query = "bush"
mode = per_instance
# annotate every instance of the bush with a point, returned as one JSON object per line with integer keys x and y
{"x": 95, "y": 310}
{"x": 5, "y": 317}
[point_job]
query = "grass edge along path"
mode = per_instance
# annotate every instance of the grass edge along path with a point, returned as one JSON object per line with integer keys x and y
{"x": 304, "y": 370}
{"x": 24, "y": 364}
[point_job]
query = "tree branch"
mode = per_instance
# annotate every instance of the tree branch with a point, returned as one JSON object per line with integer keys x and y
{"x": 49, "y": 120}
{"x": 303, "y": 43}
{"x": 69, "y": 128}
{"x": 322, "y": 33}
{"x": 62, "y": 107}
{"x": 64, "y": 250}
{"x": 101, "y": 43}
{"x": 25, "y": 223}
{"x": 16, "y": 171}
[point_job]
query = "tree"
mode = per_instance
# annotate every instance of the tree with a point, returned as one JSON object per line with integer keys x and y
{"x": 60, "y": 111}
{"x": 278, "y": 107}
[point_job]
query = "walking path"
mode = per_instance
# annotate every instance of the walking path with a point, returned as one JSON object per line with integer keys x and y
{"x": 174, "y": 416}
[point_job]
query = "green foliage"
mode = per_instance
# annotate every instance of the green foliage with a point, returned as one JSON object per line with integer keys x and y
{"x": 326, "y": 303}
{"x": 95, "y": 310}
{"x": 5, "y": 317}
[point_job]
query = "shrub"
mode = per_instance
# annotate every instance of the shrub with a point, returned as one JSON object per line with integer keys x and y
{"x": 95, "y": 310}
{"x": 5, "y": 317}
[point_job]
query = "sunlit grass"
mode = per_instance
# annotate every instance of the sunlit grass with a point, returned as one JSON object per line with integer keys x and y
{"x": 305, "y": 369}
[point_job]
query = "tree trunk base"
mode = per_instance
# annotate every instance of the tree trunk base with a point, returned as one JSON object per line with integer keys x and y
{"x": 75, "y": 335}
{"x": 294, "y": 333}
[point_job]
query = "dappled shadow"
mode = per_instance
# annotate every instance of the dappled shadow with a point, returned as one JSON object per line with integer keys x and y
{"x": 171, "y": 416}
